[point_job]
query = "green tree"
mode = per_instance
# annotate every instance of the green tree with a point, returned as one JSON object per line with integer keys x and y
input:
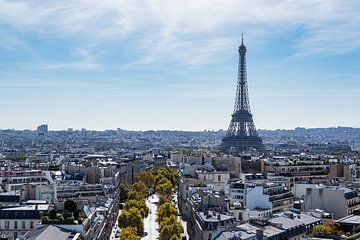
{"x": 168, "y": 173}
{"x": 132, "y": 218}
{"x": 123, "y": 192}
{"x": 170, "y": 228}
{"x": 52, "y": 214}
{"x": 322, "y": 230}
{"x": 140, "y": 188}
{"x": 335, "y": 228}
{"x": 128, "y": 233}
{"x": 146, "y": 177}
{"x": 166, "y": 210}
{"x": 70, "y": 206}
{"x": 138, "y": 204}
{"x": 134, "y": 195}
{"x": 164, "y": 188}
{"x": 356, "y": 229}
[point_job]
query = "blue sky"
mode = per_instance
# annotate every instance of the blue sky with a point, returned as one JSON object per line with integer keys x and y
{"x": 172, "y": 64}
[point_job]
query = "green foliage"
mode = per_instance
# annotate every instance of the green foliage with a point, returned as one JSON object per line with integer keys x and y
{"x": 135, "y": 196}
{"x": 167, "y": 173}
{"x": 165, "y": 180}
{"x": 164, "y": 188}
{"x": 147, "y": 178}
{"x": 356, "y": 229}
{"x": 353, "y": 237}
{"x": 331, "y": 228}
{"x": 171, "y": 229}
{"x": 132, "y": 218}
{"x": 128, "y": 233}
{"x": 140, "y": 188}
{"x": 70, "y": 206}
{"x": 66, "y": 214}
{"x": 123, "y": 192}
{"x": 166, "y": 210}
{"x": 138, "y": 204}
{"x": 52, "y": 214}
{"x": 45, "y": 218}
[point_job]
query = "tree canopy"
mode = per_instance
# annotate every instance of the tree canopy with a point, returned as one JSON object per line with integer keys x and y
{"x": 128, "y": 233}
{"x": 132, "y": 218}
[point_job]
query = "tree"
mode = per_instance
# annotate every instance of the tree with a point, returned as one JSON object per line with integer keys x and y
{"x": 141, "y": 188}
{"x": 146, "y": 177}
{"x": 123, "y": 192}
{"x": 135, "y": 196}
{"x": 138, "y": 204}
{"x": 335, "y": 227}
{"x": 356, "y": 229}
{"x": 128, "y": 233}
{"x": 322, "y": 230}
{"x": 165, "y": 188}
{"x": 170, "y": 228}
{"x": 330, "y": 228}
{"x": 168, "y": 173}
{"x": 52, "y": 214}
{"x": 45, "y": 219}
{"x": 166, "y": 210}
{"x": 70, "y": 206}
{"x": 132, "y": 218}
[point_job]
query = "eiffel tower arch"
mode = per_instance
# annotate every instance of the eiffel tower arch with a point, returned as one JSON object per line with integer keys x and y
{"x": 242, "y": 135}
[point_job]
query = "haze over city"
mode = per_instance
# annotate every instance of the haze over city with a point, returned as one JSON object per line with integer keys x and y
{"x": 173, "y": 65}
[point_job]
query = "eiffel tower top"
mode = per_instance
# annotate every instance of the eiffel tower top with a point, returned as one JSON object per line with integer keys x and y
{"x": 242, "y": 48}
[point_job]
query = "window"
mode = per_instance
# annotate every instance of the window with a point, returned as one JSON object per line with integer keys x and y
{"x": 23, "y": 225}
{"x": 219, "y": 178}
{"x": 15, "y": 225}
{"x": 7, "y": 224}
{"x": 31, "y": 224}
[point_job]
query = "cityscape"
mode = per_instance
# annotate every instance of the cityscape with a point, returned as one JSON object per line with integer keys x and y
{"x": 164, "y": 178}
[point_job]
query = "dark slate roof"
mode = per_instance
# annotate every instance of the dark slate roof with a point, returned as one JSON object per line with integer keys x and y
{"x": 349, "y": 195}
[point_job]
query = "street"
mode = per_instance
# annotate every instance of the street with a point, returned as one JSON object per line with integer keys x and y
{"x": 115, "y": 232}
{"x": 150, "y": 225}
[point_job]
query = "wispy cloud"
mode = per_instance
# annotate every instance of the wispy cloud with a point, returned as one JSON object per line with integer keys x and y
{"x": 189, "y": 32}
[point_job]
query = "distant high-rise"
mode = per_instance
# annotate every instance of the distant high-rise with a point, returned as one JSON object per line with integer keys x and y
{"x": 242, "y": 134}
{"x": 42, "y": 130}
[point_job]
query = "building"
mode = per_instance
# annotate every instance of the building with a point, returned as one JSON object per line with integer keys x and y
{"x": 340, "y": 201}
{"x": 208, "y": 223}
{"x": 269, "y": 195}
{"x": 288, "y": 226}
{"x": 16, "y": 221}
{"x": 29, "y": 184}
{"x": 48, "y": 232}
{"x": 42, "y": 130}
{"x": 262, "y": 194}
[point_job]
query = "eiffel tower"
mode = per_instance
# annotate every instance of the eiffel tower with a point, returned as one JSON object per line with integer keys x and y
{"x": 242, "y": 134}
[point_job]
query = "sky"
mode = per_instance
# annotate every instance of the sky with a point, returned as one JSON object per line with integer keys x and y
{"x": 163, "y": 64}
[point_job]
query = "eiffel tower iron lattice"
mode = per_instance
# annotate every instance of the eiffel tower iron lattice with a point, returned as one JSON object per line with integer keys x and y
{"x": 242, "y": 135}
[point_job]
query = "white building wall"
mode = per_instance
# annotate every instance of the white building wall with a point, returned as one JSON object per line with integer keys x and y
{"x": 330, "y": 200}
{"x": 255, "y": 198}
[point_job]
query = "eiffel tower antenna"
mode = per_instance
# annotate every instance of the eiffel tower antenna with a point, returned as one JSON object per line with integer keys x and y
{"x": 242, "y": 135}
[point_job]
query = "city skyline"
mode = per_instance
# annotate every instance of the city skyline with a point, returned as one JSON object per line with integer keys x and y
{"x": 157, "y": 65}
